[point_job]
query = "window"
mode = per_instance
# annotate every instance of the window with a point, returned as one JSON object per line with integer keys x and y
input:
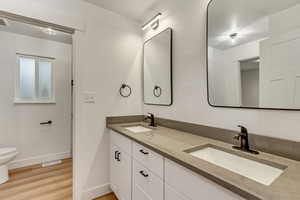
{"x": 34, "y": 82}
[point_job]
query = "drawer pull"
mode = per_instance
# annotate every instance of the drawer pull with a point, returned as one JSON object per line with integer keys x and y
{"x": 118, "y": 156}
{"x": 144, "y": 174}
{"x": 144, "y": 152}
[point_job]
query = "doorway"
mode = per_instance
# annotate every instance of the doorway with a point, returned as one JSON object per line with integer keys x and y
{"x": 36, "y": 108}
{"x": 249, "y": 73}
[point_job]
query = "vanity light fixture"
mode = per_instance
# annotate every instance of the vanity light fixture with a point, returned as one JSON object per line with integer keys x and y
{"x": 49, "y": 31}
{"x": 153, "y": 23}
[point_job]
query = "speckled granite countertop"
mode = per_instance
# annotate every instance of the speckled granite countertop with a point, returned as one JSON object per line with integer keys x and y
{"x": 172, "y": 144}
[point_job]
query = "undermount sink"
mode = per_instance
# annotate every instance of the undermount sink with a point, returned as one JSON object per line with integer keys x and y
{"x": 260, "y": 171}
{"x": 138, "y": 129}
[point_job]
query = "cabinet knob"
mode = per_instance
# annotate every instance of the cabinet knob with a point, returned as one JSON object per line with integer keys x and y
{"x": 144, "y": 152}
{"x": 144, "y": 174}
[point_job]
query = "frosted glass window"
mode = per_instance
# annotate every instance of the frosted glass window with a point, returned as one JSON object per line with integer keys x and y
{"x": 35, "y": 80}
{"x": 45, "y": 80}
{"x": 27, "y": 78}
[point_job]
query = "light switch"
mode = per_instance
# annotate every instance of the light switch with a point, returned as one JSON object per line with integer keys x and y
{"x": 89, "y": 97}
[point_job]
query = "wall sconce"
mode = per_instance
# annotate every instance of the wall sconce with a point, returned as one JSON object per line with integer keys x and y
{"x": 153, "y": 23}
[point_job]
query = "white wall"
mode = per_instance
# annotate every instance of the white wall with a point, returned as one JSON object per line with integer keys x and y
{"x": 110, "y": 56}
{"x": 20, "y": 123}
{"x": 188, "y": 19}
{"x": 108, "y": 53}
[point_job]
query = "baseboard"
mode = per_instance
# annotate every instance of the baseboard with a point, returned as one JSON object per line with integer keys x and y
{"x": 38, "y": 160}
{"x": 95, "y": 192}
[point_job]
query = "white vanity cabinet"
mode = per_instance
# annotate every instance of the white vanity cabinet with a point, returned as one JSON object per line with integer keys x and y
{"x": 120, "y": 166}
{"x": 138, "y": 173}
{"x": 193, "y": 186}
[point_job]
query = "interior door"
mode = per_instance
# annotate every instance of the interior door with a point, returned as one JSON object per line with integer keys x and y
{"x": 280, "y": 71}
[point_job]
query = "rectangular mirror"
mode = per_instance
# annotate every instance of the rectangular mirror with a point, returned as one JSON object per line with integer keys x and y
{"x": 158, "y": 69}
{"x": 253, "y": 54}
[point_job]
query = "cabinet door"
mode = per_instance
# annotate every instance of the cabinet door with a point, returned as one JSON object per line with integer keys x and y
{"x": 120, "y": 166}
{"x": 171, "y": 194}
{"x": 125, "y": 177}
{"x": 114, "y": 168}
{"x": 146, "y": 185}
{"x": 194, "y": 186}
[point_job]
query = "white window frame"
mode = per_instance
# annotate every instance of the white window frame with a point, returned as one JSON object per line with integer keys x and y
{"x": 35, "y": 99}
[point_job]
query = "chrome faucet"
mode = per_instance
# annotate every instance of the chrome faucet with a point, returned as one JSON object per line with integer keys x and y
{"x": 152, "y": 119}
{"x": 243, "y": 137}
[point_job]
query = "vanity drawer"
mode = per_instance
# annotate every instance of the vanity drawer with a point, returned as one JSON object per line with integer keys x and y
{"x": 146, "y": 185}
{"x": 149, "y": 158}
{"x": 121, "y": 141}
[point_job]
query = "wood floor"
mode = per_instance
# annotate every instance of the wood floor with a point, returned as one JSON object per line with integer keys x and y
{"x": 36, "y": 183}
{"x": 108, "y": 197}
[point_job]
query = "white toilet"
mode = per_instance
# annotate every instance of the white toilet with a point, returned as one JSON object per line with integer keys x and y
{"x": 6, "y": 155}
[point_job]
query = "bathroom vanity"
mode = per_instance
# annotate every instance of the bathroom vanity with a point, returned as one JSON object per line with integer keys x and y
{"x": 167, "y": 164}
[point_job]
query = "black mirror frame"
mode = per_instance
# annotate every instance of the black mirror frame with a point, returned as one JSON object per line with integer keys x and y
{"x": 171, "y": 66}
{"x": 207, "y": 77}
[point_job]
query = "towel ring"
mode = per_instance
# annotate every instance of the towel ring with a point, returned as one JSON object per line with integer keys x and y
{"x": 122, "y": 88}
{"x": 157, "y": 91}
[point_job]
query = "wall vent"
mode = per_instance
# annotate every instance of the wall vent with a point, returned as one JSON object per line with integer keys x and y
{"x": 51, "y": 163}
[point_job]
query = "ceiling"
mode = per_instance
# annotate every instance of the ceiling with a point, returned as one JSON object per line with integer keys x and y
{"x": 133, "y": 9}
{"x": 246, "y": 16}
{"x": 35, "y": 31}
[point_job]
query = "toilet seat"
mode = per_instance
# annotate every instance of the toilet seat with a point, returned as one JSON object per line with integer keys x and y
{"x": 7, "y": 151}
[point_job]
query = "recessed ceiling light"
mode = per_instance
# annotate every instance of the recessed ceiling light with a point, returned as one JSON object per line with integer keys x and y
{"x": 49, "y": 31}
{"x": 233, "y": 36}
